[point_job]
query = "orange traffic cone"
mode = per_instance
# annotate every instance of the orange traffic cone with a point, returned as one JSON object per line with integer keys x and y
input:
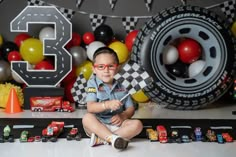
{"x": 13, "y": 105}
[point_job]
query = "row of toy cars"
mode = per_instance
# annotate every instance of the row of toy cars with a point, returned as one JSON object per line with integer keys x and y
{"x": 185, "y": 134}
{"x": 50, "y": 133}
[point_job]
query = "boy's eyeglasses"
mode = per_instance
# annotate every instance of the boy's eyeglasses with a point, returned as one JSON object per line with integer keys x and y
{"x": 103, "y": 66}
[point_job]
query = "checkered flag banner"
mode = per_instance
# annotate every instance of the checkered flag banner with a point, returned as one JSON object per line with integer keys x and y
{"x": 96, "y": 20}
{"x": 78, "y": 90}
{"x": 35, "y": 3}
{"x": 68, "y": 13}
{"x": 228, "y": 8}
{"x": 78, "y": 3}
{"x": 148, "y": 4}
{"x": 112, "y": 3}
{"x": 133, "y": 77}
{"x": 129, "y": 23}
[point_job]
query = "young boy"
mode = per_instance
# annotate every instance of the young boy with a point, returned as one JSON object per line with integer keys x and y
{"x": 108, "y": 119}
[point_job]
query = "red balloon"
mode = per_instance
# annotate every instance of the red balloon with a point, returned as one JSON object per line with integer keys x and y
{"x": 14, "y": 56}
{"x": 75, "y": 40}
{"x": 67, "y": 90}
{"x": 44, "y": 65}
{"x": 130, "y": 38}
{"x": 71, "y": 76}
{"x": 189, "y": 51}
{"x": 88, "y": 37}
{"x": 20, "y": 38}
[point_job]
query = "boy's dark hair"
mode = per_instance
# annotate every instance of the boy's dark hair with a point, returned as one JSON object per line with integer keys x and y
{"x": 106, "y": 50}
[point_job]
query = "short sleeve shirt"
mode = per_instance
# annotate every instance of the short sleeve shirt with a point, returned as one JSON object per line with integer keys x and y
{"x": 98, "y": 91}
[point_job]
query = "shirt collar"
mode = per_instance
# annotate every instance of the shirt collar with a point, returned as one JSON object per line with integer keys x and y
{"x": 100, "y": 82}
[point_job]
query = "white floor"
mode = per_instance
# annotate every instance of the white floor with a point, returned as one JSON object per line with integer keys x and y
{"x": 137, "y": 147}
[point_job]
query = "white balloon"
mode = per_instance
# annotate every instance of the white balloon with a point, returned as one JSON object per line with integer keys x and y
{"x": 170, "y": 55}
{"x": 46, "y": 33}
{"x": 196, "y": 67}
{"x": 92, "y": 47}
{"x": 16, "y": 77}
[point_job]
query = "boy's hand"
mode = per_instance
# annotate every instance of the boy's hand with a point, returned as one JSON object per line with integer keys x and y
{"x": 116, "y": 120}
{"x": 113, "y": 104}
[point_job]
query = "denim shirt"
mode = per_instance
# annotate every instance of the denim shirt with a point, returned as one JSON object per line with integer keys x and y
{"x": 98, "y": 91}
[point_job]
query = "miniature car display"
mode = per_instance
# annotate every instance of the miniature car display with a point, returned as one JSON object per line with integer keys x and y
{"x": 52, "y": 131}
{"x": 153, "y": 136}
{"x": 227, "y": 137}
{"x": 50, "y": 104}
{"x": 220, "y": 139}
{"x": 197, "y": 134}
{"x": 30, "y": 139}
{"x": 37, "y": 138}
{"x": 185, "y": 139}
{"x": 210, "y": 136}
{"x": 24, "y": 136}
{"x": 174, "y": 137}
{"x": 162, "y": 134}
{"x": 7, "y": 136}
{"x": 74, "y": 134}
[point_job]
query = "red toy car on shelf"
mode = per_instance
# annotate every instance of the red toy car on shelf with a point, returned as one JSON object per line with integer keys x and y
{"x": 52, "y": 131}
{"x": 162, "y": 134}
{"x": 74, "y": 134}
{"x": 50, "y": 104}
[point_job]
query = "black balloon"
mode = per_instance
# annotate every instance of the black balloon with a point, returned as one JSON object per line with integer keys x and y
{"x": 179, "y": 69}
{"x": 104, "y": 33}
{"x": 8, "y": 47}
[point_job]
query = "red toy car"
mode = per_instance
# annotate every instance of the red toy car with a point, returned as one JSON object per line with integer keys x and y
{"x": 74, "y": 134}
{"x": 52, "y": 131}
{"x": 227, "y": 137}
{"x": 162, "y": 134}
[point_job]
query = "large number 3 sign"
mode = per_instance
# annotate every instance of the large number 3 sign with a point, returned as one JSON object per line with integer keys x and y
{"x": 53, "y": 47}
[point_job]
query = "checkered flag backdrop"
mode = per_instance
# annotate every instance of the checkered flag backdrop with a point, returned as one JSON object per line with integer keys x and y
{"x": 35, "y": 3}
{"x": 133, "y": 77}
{"x": 96, "y": 20}
{"x": 78, "y": 91}
{"x": 129, "y": 23}
{"x": 228, "y": 8}
{"x": 68, "y": 13}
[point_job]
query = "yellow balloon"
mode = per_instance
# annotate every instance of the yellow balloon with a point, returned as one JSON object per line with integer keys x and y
{"x": 31, "y": 50}
{"x": 233, "y": 28}
{"x": 121, "y": 50}
{"x": 1, "y": 40}
{"x": 140, "y": 97}
{"x": 85, "y": 68}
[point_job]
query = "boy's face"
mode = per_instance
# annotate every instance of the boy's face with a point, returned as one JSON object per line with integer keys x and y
{"x": 105, "y": 67}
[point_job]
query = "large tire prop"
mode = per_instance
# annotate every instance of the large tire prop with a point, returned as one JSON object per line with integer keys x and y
{"x": 216, "y": 40}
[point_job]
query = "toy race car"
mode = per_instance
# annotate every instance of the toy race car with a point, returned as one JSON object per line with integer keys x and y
{"x": 210, "y": 136}
{"x": 227, "y": 137}
{"x": 197, "y": 135}
{"x": 174, "y": 136}
{"x": 74, "y": 134}
{"x": 52, "y": 131}
{"x": 24, "y": 136}
{"x": 7, "y": 136}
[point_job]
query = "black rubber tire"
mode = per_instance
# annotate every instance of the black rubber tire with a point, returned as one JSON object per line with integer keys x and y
{"x": 217, "y": 42}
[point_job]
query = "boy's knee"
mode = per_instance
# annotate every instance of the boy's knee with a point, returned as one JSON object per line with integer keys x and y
{"x": 87, "y": 117}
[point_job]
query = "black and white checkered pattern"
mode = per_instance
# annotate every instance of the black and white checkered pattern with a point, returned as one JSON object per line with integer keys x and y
{"x": 228, "y": 8}
{"x": 78, "y": 90}
{"x": 96, "y": 20}
{"x": 35, "y": 3}
{"x": 68, "y": 13}
{"x": 112, "y": 3}
{"x": 129, "y": 23}
{"x": 133, "y": 77}
{"x": 148, "y": 4}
